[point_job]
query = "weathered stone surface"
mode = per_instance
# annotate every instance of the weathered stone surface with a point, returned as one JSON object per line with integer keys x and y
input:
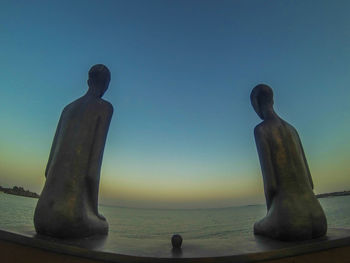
{"x": 68, "y": 205}
{"x": 293, "y": 211}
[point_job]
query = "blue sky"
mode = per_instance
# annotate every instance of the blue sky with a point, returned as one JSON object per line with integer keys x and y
{"x": 182, "y": 72}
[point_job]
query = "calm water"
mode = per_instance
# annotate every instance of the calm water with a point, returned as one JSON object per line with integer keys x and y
{"x": 17, "y": 214}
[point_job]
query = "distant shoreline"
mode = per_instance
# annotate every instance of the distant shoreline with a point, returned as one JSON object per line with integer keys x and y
{"x": 343, "y": 193}
{"x": 19, "y": 191}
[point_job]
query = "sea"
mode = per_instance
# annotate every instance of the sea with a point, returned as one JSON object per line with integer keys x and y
{"x": 160, "y": 224}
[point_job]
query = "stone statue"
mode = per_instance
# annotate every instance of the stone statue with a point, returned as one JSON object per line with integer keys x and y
{"x": 293, "y": 211}
{"x": 68, "y": 205}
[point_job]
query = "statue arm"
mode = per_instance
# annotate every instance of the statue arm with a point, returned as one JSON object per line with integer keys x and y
{"x": 53, "y": 146}
{"x": 96, "y": 155}
{"x": 305, "y": 162}
{"x": 269, "y": 177}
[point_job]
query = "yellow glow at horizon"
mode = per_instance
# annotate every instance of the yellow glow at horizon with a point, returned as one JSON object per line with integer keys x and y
{"x": 25, "y": 166}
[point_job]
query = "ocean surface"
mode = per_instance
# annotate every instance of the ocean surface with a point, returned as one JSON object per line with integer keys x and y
{"x": 158, "y": 225}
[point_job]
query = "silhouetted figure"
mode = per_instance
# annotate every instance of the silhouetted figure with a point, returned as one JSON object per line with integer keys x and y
{"x": 176, "y": 241}
{"x": 68, "y": 203}
{"x": 293, "y": 211}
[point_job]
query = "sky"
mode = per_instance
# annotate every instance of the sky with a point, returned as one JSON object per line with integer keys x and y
{"x": 182, "y": 71}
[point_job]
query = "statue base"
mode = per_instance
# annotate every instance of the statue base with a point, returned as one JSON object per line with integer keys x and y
{"x": 29, "y": 247}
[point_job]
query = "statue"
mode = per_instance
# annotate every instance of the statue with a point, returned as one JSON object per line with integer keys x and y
{"x": 68, "y": 205}
{"x": 293, "y": 211}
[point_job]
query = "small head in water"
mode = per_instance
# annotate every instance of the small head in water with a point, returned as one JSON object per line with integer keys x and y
{"x": 176, "y": 241}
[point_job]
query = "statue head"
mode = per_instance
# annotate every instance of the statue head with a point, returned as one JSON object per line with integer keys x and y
{"x": 99, "y": 78}
{"x": 261, "y": 98}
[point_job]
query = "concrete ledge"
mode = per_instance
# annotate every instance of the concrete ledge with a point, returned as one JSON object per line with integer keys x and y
{"x": 28, "y": 247}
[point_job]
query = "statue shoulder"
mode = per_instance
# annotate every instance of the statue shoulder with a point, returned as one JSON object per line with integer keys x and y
{"x": 106, "y": 106}
{"x": 73, "y": 104}
{"x": 289, "y": 126}
{"x": 259, "y": 129}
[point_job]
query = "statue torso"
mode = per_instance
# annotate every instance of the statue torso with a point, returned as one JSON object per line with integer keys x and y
{"x": 71, "y": 160}
{"x": 286, "y": 155}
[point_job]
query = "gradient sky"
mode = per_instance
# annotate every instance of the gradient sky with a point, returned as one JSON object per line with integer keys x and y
{"x": 182, "y": 72}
